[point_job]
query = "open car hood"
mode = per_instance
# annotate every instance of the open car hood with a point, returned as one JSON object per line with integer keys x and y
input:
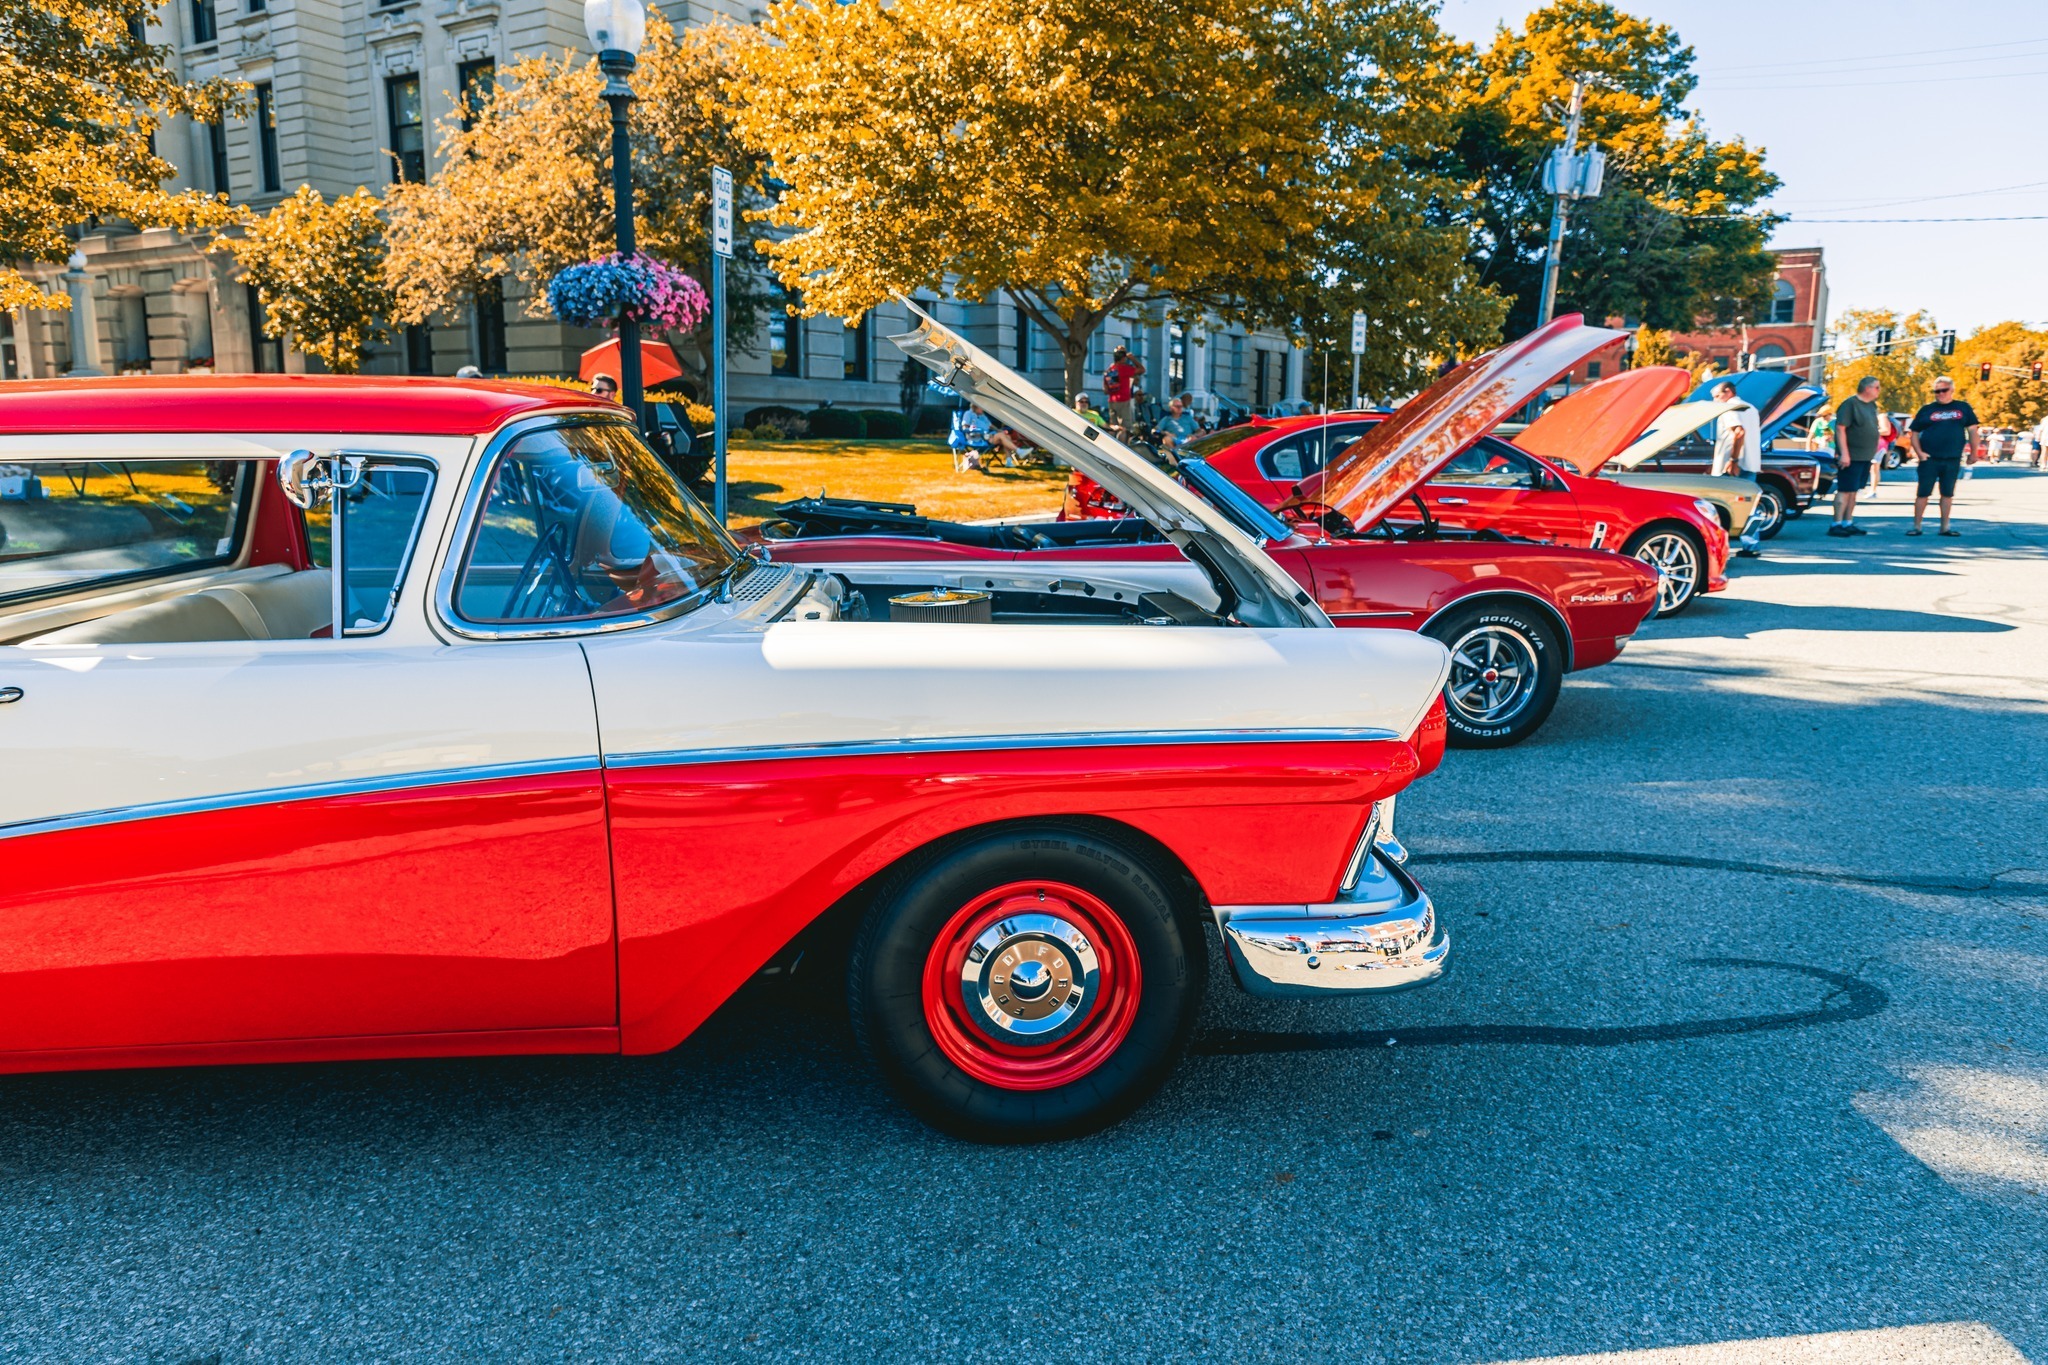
{"x": 1255, "y": 590}
{"x": 1427, "y": 432}
{"x": 1672, "y": 426}
{"x": 1789, "y": 409}
{"x": 1585, "y": 430}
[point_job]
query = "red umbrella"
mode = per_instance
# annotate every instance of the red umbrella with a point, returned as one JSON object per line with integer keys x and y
{"x": 657, "y": 362}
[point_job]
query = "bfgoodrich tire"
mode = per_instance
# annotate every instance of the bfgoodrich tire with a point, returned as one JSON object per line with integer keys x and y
{"x": 1507, "y": 665}
{"x": 1032, "y": 983}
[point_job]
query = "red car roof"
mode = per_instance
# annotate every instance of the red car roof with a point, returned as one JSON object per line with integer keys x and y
{"x": 275, "y": 402}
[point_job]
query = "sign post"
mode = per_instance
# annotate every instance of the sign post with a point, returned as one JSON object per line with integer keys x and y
{"x": 721, "y": 249}
{"x": 1358, "y": 321}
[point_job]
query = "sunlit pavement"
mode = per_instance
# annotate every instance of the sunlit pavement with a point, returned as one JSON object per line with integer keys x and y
{"x": 1745, "y": 1059}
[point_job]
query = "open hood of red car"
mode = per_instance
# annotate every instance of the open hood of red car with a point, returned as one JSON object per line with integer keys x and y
{"x": 1427, "y": 432}
{"x": 1670, "y": 427}
{"x": 1585, "y": 430}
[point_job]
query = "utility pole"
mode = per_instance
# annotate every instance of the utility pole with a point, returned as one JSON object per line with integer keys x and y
{"x": 1561, "y": 188}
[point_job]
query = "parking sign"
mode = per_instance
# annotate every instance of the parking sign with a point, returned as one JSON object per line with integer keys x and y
{"x": 1358, "y": 334}
{"x": 721, "y": 212}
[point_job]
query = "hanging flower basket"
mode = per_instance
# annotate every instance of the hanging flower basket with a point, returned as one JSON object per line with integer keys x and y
{"x": 636, "y": 288}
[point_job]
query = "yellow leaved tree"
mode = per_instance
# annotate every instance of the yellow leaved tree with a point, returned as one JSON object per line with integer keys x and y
{"x": 525, "y": 189}
{"x": 2011, "y": 397}
{"x": 1903, "y": 373}
{"x": 319, "y": 268}
{"x": 82, "y": 91}
{"x": 1245, "y": 159}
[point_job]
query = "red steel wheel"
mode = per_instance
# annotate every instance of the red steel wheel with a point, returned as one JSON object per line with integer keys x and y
{"x": 1032, "y": 985}
{"x": 1030, "y": 982}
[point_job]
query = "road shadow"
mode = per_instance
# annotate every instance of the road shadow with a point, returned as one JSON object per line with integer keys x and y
{"x": 1723, "y": 618}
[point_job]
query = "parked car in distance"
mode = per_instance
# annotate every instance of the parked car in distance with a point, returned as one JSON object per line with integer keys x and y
{"x": 1611, "y": 427}
{"x": 1517, "y": 616}
{"x": 1487, "y": 484}
{"x": 348, "y": 717}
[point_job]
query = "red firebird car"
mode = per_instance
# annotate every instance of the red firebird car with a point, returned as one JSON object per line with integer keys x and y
{"x": 1517, "y": 616}
{"x": 1323, "y": 465}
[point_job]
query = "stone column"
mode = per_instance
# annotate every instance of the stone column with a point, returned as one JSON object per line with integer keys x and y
{"x": 85, "y": 332}
{"x": 1198, "y": 368}
{"x": 1297, "y": 360}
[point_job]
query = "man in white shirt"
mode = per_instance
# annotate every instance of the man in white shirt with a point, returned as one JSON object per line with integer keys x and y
{"x": 1739, "y": 449}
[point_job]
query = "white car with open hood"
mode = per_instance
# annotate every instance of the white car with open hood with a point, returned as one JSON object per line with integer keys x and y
{"x": 347, "y": 717}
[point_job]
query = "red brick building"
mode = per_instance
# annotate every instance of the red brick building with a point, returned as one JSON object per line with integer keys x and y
{"x": 1794, "y": 322}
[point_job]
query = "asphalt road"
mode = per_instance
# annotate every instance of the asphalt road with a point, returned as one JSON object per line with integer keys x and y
{"x": 1745, "y": 1059}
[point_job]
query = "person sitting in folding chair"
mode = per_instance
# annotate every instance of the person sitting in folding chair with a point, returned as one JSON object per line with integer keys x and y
{"x": 970, "y": 439}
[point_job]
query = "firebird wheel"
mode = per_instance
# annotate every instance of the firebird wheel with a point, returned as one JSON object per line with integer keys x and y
{"x": 1032, "y": 983}
{"x": 1683, "y": 563}
{"x": 1506, "y": 669}
{"x": 1769, "y": 517}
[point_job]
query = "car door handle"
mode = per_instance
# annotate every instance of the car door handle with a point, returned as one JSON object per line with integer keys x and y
{"x": 1450, "y": 502}
{"x": 8, "y": 694}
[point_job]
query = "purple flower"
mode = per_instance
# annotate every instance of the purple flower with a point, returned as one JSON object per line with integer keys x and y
{"x": 637, "y": 288}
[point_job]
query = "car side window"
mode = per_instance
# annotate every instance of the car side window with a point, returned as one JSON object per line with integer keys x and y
{"x": 1491, "y": 464}
{"x": 583, "y": 523}
{"x": 1308, "y": 451}
{"x": 78, "y": 525}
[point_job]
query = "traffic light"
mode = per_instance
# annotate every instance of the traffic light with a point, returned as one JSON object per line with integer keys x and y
{"x": 2035, "y": 369}
{"x": 1884, "y": 341}
{"x": 1984, "y": 372}
{"x": 1948, "y": 343}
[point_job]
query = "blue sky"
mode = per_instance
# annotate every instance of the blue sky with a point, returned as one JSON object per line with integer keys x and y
{"x": 1862, "y": 106}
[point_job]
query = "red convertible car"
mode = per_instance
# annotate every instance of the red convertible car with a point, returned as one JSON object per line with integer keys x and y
{"x": 351, "y": 718}
{"x": 1516, "y": 616}
{"x": 1477, "y": 481}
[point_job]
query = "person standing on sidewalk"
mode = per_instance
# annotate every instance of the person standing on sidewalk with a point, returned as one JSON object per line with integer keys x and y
{"x": 1739, "y": 449}
{"x": 1941, "y": 432}
{"x": 1119, "y": 382}
{"x": 1856, "y": 438}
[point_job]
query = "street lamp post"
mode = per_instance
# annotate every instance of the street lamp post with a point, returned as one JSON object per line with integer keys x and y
{"x": 616, "y": 29}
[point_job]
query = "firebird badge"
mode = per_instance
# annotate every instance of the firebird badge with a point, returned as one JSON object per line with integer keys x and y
{"x": 1602, "y": 597}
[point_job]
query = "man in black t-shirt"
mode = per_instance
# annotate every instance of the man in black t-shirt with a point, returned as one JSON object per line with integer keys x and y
{"x": 1942, "y": 431}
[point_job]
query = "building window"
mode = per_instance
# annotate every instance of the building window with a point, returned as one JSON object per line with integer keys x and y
{"x": 1592, "y": 369}
{"x": 490, "y": 327}
{"x": 1176, "y": 360}
{"x": 1098, "y": 350}
{"x": 1783, "y": 299}
{"x": 217, "y": 155}
{"x": 1262, "y": 364}
{"x": 475, "y": 83}
{"x": 408, "y": 130}
{"x": 419, "y": 349}
{"x": 857, "y": 348}
{"x": 785, "y": 336}
{"x": 258, "y": 6}
{"x": 1023, "y": 340}
{"x": 1237, "y": 361}
{"x": 204, "y": 29}
{"x": 266, "y": 351}
{"x": 266, "y": 139}
{"x": 1769, "y": 356}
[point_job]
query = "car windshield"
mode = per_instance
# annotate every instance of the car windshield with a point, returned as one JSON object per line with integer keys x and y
{"x": 585, "y": 523}
{"x": 1210, "y": 442}
{"x": 1233, "y": 502}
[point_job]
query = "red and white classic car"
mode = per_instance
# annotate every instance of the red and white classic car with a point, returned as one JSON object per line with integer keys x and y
{"x": 372, "y": 718}
{"x": 1517, "y": 616}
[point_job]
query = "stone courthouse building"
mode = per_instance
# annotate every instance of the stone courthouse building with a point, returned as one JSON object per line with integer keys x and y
{"x": 349, "y": 92}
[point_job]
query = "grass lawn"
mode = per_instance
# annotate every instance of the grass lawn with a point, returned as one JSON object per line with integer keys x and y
{"x": 763, "y": 473}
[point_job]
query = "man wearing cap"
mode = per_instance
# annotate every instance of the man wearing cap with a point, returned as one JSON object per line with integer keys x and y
{"x": 1739, "y": 449}
{"x": 1941, "y": 431}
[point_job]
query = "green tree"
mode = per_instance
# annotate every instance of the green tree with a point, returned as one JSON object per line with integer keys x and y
{"x": 319, "y": 268}
{"x": 1905, "y": 373}
{"x": 526, "y": 189}
{"x": 1674, "y": 237}
{"x": 1247, "y": 159}
{"x": 82, "y": 93}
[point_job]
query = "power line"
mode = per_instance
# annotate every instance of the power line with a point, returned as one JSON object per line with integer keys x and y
{"x": 1790, "y": 83}
{"x": 1931, "y": 198}
{"x": 2015, "y": 218}
{"x": 1805, "y": 62}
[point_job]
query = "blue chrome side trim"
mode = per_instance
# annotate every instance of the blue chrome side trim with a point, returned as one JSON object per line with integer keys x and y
{"x": 981, "y": 743}
{"x": 311, "y": 791}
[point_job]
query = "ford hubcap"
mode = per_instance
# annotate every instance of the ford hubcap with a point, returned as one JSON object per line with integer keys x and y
{"x": 1029, "y": 978}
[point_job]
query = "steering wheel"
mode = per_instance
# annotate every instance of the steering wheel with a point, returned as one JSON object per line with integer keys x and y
{"x": 550, "y": 557}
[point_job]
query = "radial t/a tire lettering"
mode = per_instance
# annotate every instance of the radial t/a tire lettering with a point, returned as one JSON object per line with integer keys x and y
{"x": 1032, "y": 983}
{"x": 1507, "y": 667}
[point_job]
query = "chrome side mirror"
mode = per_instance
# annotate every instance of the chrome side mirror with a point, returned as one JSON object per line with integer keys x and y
{"x": 302, "y": 478}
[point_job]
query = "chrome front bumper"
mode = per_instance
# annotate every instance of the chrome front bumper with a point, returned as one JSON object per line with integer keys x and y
{"x": 1382, "y": 935}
